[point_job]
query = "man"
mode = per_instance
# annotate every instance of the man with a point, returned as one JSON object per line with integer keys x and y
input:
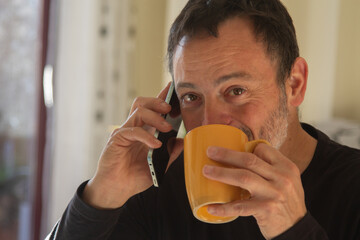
{"x": 234, "y": 62}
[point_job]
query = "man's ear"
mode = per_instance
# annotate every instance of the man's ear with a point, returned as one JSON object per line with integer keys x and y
{"x": 296, "y": 82}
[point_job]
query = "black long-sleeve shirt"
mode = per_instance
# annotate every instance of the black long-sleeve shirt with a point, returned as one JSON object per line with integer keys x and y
{"x": 332, "y": 196}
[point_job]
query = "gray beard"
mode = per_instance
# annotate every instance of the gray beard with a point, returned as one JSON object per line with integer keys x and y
{"x": 276, "y": 126}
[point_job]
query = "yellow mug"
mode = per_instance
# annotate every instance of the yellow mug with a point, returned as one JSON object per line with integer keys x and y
{"x": 202, "y": 191}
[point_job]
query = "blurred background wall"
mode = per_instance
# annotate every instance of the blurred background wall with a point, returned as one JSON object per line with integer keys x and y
{"x": 329, "y": 41}
{"x": 107, "y": 52}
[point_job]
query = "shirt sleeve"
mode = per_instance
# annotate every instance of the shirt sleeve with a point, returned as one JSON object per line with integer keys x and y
{"x": 81, "y": 221}
{"x": 306, "y": 229}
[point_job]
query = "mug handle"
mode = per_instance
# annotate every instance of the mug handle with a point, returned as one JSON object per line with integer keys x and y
{"x": 250, "y": 146}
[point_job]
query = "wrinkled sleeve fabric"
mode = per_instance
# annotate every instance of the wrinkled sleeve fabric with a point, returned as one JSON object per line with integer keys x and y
{"x": 306, "y": 229}
{"x": 81, "y": 221}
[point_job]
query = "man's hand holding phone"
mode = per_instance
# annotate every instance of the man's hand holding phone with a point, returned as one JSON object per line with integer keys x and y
{"x": 122, "y": 169}
{"x": 158, "y": 159}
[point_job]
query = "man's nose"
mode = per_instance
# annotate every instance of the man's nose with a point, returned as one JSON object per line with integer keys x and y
{"x": 216, "y": 113}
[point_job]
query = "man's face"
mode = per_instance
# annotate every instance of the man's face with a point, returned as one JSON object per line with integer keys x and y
{"x": 230, "y": 80}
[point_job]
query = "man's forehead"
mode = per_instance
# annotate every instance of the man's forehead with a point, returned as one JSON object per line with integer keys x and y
{"x": 236, "y": 40}
{"x": 218, "y": 81}
{"x": 227, "y": 31}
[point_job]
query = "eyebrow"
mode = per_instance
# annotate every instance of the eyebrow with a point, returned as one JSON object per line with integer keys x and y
{"x": 218, "y": 81}
{"x": 225, "y": 78}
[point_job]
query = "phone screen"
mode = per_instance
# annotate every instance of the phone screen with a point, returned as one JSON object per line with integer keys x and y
{"x": 158, "y": 158}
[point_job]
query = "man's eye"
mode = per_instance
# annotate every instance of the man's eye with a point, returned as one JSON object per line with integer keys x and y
{"x": 236, "y": 91}
{"x": 190, "y": 98}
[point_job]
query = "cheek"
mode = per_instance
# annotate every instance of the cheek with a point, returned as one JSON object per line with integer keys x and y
{"x": 191, "y": 119}
{"x": 251, "y": 115}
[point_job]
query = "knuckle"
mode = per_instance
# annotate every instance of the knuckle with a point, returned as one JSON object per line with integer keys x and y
{"x": 118, "y": 136}
{"x": 138, "y": 101}
{"x": 243, "y": 177}
{"x": 251, "y": 161}
{"x": 294, "y": 169}
{"x": 239, "y": 209}
{"x": 138, "y": 116}
{"x": 140, "y": 109}
{"x": 259, "y": 149}
{"x": 287, "y": 183}
{"x": 279, "y": 196}
{"x": 263, "y": 151}
{"x": 270, "y": 207}
{"x": 114, "y": 132}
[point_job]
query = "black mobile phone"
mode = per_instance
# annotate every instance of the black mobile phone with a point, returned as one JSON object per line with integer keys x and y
{"x": 158, "y": 159}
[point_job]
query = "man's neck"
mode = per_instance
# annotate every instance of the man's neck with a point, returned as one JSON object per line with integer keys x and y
{"x": 299, "y": 146}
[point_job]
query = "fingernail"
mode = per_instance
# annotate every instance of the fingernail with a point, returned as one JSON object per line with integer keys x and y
{"x": 211, "y": 151}
{"x": 208, "y": 169}
{"x": 211, "y": 210}
{"x": 158, "y": 142}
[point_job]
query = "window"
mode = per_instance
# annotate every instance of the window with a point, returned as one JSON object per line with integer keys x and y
{"x": 20, "y": 43}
